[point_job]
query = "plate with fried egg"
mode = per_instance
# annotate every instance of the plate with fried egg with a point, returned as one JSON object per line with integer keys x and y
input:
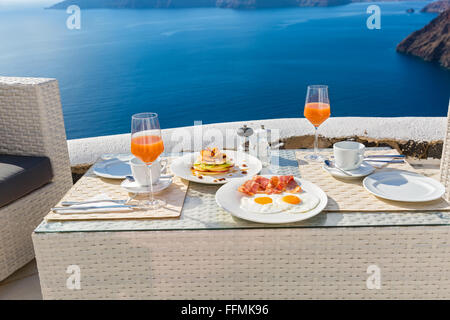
{"x": 272, "y": 199}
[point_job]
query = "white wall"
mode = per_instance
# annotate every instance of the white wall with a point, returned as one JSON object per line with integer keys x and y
{"x": 86, "y": 151}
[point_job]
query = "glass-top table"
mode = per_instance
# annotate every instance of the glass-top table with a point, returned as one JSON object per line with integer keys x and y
{"x": 200, "y": 212}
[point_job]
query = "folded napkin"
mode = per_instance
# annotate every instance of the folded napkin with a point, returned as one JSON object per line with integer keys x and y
{"x": 96, "y": 204}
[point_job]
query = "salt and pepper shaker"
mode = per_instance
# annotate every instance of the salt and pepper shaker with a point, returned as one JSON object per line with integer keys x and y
{"x": 259, "y": 145}
{"x": 244, "y": 135}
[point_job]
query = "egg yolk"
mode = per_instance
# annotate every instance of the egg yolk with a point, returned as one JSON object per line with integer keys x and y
{"x": 291, "y": 199}
{"x": 263, "y": 200}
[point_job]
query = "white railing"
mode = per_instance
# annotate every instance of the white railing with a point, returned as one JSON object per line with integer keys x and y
{"x": 429, "y": 129}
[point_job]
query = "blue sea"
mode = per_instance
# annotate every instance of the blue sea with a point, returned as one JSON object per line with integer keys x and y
{"x": 218, "y": 65}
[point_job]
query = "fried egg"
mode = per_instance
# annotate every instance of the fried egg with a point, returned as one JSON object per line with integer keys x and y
{"x": 274, "y": 203}
{"x": 263, "y": 204}
{"x": 299, "y": 203}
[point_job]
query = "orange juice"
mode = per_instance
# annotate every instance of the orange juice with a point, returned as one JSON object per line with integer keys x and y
{"x": 147, "y": 148}
{"x": 317, "y": 112}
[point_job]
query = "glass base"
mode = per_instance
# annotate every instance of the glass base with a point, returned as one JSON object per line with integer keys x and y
{"x": 314, "y": 157}
{"x": 152, "y": 204}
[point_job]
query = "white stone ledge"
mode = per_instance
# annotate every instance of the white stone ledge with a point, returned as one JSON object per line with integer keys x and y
{"x": 87, "y": 150}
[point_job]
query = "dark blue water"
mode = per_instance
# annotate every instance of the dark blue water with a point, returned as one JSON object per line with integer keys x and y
{"x": 220, "y": 65}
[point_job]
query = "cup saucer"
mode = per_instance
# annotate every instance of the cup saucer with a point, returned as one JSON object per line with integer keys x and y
{"x": 364, "y": 170}
{"x": 134, "y": 187}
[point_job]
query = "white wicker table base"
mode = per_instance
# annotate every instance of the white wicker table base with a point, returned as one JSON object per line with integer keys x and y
{"x": 283, "y": 263}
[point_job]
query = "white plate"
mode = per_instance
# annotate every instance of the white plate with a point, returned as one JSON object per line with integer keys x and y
{"x": 400, "y": 185}
{"x": 133, "y": 187}
{"x": 182, "y": 167}
{"x": 113, "y": 168}
{"x": 229, "y": 198}
{"x": 364, "y": 170}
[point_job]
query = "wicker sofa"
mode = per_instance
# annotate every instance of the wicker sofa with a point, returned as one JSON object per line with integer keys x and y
{"x": 31, "y": 124}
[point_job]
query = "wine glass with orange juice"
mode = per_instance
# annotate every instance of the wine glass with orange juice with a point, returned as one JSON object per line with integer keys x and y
{"x": 317, "y": 110}
{"x": 147, "y": 145}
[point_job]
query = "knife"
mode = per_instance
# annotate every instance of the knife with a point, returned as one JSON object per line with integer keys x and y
{"x": 386, "y": 156}
{"x": 93, "y": 207}
{"x": 386, "y": 161}
{"x": 74, "y": 203}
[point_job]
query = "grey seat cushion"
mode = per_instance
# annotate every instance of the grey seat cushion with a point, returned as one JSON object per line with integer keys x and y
{"x": 20, "y": 175}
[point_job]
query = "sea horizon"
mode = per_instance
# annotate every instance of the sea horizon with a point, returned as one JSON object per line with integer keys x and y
{"x": 220, "y": 65}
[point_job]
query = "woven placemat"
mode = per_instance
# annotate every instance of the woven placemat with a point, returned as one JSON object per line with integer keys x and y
{"x": 350, "y": 195}
{"x": 90, "y": 185}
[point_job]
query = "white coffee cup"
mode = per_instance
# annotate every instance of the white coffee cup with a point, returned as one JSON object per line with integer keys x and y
{"x": 141, "y": 172}
{"x": 348, "y": 155}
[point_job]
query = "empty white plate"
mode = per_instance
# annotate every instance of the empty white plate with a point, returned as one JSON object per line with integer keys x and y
{"x": 114, "y": 168}
{"x": 364, "y": 170}
{"x": 229, "y": 198}
{"x": 400, "y": 185}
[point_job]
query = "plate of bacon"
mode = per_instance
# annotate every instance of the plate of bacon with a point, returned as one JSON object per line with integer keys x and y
{"x": 272, "y": 199}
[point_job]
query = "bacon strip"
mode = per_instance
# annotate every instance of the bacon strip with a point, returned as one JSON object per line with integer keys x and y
{"x": 293, "y": 187}
{"x": 274, "y": 185}
{"x": 250, "y": 187}
{"x": 262, "y": 183}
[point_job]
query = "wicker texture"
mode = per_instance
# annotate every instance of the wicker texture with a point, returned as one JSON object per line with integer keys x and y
{"x": 350, "y": 195}
{"x": 314, "y": 263}
{"x": 90, "y": 185}
{"x": 445, "y": 159}
{"x": 31, "y": 123}
{"x": 200, "y": 211}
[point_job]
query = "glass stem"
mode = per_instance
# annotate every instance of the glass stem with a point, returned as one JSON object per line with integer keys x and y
{"x": 316, "y": 141}
{"x": 150, "y": 197}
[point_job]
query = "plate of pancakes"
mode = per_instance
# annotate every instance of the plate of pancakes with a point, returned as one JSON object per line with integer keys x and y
{"x": 214, "y": 166}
